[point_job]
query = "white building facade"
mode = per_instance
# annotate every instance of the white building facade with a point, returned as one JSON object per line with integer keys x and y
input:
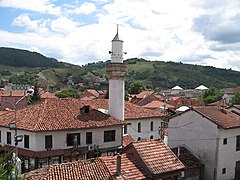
{"x": 214, "y": 136}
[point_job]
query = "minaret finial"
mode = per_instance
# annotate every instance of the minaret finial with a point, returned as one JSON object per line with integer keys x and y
{"x": 117, "y": 28}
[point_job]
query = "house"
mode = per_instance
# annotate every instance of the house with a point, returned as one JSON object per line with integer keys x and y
{"x": 90, "y": 93}
{"x": 9, "y": 98}
{"x": 139, "y": 97}
{"x": 138, "y": 160}
{"x": 159, "y": 105}
{"x": 47, "y": 95}
{"x": 229, "y": 93}
{"x": 213, "y": 134}
{"x": 61, "y": 130}
{"x": 143, "y": 123}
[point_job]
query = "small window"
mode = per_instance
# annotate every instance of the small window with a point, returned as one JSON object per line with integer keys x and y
{"x": 151, "y": 137}
{"x": 88, "y": 137}
{"x": 125, "y": 129}
{"x": 151, "y": 126}
{"x": 9, "y": 138}
{"x": 139, "y": 127}
{"x": 73, "y": 139}
{"x": 224, "y": 141}
{"x": 109, "y": 136}
{"x": 139, "y": 138}
{"x": 238, "y": 143}
{"x": 223, "y": 170}
{"x": 48, "y": 142}
{"x": 26, "y": 141}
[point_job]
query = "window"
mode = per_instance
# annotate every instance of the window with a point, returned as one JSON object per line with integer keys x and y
{"x": 139, "y": 138}
{"x": 139, "y": 127}
{"x": 48, "y": 142}
{"x": 238, "y": 143}
{"x": 73, "y": 139}
{"x": 223, "y": 170}
{"x": 151, "y": 126}
{"x": 109, "y": 136}
{"x": 224, "y": 141}
{"x": 88, "y": 137}
{"x": 9, "y": 138}
{"x": 151, "y": 137}
{"x": 125, "y": 129}
{"x": 26, "y": 141}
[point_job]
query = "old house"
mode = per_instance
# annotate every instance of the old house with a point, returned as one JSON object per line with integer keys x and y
{"x": 213, "y": 134}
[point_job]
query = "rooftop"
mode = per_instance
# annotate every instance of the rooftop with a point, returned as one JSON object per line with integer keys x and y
{"x": 222, "y": 117}
{"x": 157, "y": 156}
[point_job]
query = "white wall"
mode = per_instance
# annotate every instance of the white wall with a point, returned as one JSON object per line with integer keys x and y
{"x": 228, "y": 156}
{"x": 37, "y": 139}
{"x": 145, "y": 128}
{"x": 197, "y": 133}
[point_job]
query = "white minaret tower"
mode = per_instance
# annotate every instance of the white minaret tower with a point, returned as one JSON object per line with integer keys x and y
{"x": 117, "y": 72}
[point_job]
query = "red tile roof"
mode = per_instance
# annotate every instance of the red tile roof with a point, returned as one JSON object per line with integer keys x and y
{"x": 143, "y": 94}
{"x": 93, "y": 169}
{"x": 14, "y": 94}
{"x": 157, "y": 156}
{"x": 222, "y": 117}
{"x": 59, "y": 114}
{"x": 131, "y": 111}
{"x": 47, "y": 95}
{"x": 127, "y": 139}
{"x": 158, "y": 104}
{"x": 130, "y": 167}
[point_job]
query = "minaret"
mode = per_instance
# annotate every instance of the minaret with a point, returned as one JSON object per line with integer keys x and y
{"x": 117, "y": 72}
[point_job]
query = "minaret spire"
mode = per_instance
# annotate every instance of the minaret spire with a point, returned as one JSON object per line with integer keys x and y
{"x": 117, "y": 72}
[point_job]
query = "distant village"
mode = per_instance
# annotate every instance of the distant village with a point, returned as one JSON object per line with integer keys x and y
{"x": 167, "y": 134}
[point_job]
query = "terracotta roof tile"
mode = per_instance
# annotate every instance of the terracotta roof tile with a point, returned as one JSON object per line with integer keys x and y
{"x": 143, "y": 94}
{"x": 47, "y": 95}
{"x": 127, "y": 139}
{"x": 158, "y": 156}
{"x": 130, "y": 167}
{"x": 93, "y": 169}
{"x": 158, "y": 104}
{"x": 59, "y": 114}
{"x": 224, "y": 118}
{"x": 14, "y": 94}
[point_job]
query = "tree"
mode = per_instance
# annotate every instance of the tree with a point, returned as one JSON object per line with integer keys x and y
{"x": 136, "y": 87}
{"x": 6, "y": 166}
{"x": 72, "y": 93}
{"x": 35, "y": 98}
{"x": 235, "y": 99}
{"x": 211, "y": 95}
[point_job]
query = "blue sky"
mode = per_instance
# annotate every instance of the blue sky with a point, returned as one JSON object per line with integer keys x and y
{"x": 202, "y": 32}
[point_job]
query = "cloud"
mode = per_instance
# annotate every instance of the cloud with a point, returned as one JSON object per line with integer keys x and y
{"x": 24, "y": 20}
{"x": 85, "y": 8}
{"x": 43, "y": 6}
{"x": 63, "y": 25}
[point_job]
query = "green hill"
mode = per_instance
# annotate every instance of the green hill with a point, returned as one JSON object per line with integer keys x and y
{"x": 168, "y": 74}
{"x": 152, "y": 73}
{"x": 24, "y": 58}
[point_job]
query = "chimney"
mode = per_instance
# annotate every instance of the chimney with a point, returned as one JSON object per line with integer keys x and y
{"x": 118, "y": 173}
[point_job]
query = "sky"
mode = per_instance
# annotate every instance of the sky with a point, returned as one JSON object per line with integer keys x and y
{"x": 203, "y": 32}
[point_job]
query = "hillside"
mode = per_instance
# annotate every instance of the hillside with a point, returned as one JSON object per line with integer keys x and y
{"x": 152, "y": 73}
{"x": 168, "y": 74}
{"x": 24, "y": 58}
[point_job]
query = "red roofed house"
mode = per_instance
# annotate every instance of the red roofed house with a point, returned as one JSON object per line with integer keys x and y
{"x": 139, "y": 160}
{"x": 59, "y": 130}
{"x": 9, "y": 98}
{"x": 213, "y": 134}
{"x": 235, "y": 109}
